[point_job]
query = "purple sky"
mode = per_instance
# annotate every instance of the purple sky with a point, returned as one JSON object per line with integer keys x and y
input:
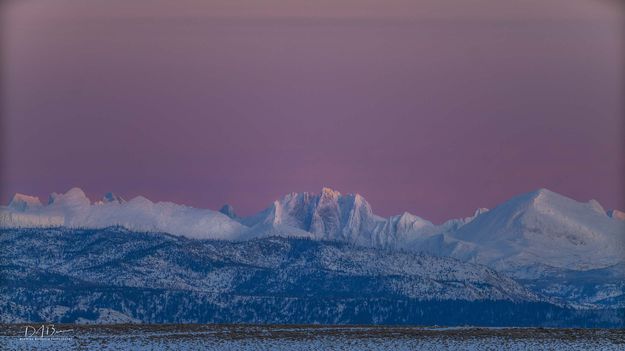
{"x": 435, "y": 108}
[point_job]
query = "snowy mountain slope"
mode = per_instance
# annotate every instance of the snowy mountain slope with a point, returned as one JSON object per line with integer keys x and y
{"x": 73, "y": 209}
{"x": 546, "y": 228}
{"x": 540, "y": 228}
{"x": 108, "y": 268}
{"x": 554, "y": 245}
{"x": 595, "y": 288}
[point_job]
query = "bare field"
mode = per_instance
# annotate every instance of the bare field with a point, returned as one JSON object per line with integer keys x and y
{"x": 297, "y": 337}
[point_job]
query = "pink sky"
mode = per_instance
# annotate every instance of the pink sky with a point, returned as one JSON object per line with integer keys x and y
{"x": 434, "y": 107}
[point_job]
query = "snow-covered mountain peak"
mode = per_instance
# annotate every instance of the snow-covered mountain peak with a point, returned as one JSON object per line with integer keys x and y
{"x": 407, "y": 222}
{"x": 228, "y": 210}
{"x": 74, "y": 210}
{"x": 408, "y": 219}
{"x": 544, "y": 192}
{"x": 542, "y": 197}
{"x": 112, "y": 198}
{"x": 479, "y": 211}
{"x": 540, "y": 227}
{"x": 74, "y": 197}
{"x": 21, "y": 202}
{"x": 327, "y": 214}
{"x": 329, "y": 193}
{"x": 550, "y": 203}
{"x": 360, "y": 201}
{"x": 407, "y": 216}
{"x": 140, "y": 201}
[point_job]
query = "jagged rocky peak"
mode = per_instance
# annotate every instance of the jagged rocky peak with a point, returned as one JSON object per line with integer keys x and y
{"x": 407, "y": 222}
{"x": 112, "y": 198}
{"x": 405, "y": 217}
{"x": 228, "y": 210}
{"x": 328, "y": 193}
{"x": 328, "y": 214}
{"x": 479, "y": 211}
{"x": 345, "y": 217}
{"x": 409, "y": 218}
{"x": 328, "y": 198}
{"x": 21, "y": 202}
{"x": 331, "y": 197}
{"x": 359, "y": 202}
{"x": 466, "y": 220}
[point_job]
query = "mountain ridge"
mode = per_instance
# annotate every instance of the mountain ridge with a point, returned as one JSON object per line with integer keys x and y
{"x": 546, "y": 240}
{"x": 539, "y": 228}
{"x": 85, "y": 271}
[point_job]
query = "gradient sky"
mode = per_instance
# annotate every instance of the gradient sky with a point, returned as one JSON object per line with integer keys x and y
{"x": 434, "y": 107}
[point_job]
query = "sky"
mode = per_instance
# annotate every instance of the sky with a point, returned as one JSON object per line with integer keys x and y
{"x": 431, "y": 107}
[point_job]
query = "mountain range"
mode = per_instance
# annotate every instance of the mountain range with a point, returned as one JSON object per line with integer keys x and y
{"x": 558, "y": 250}
{"x": 540, "y": 228}
{"x": 114, "y": 275}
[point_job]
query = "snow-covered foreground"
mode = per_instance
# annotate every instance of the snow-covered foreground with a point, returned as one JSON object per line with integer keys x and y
{"x": 231, "y": 337}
